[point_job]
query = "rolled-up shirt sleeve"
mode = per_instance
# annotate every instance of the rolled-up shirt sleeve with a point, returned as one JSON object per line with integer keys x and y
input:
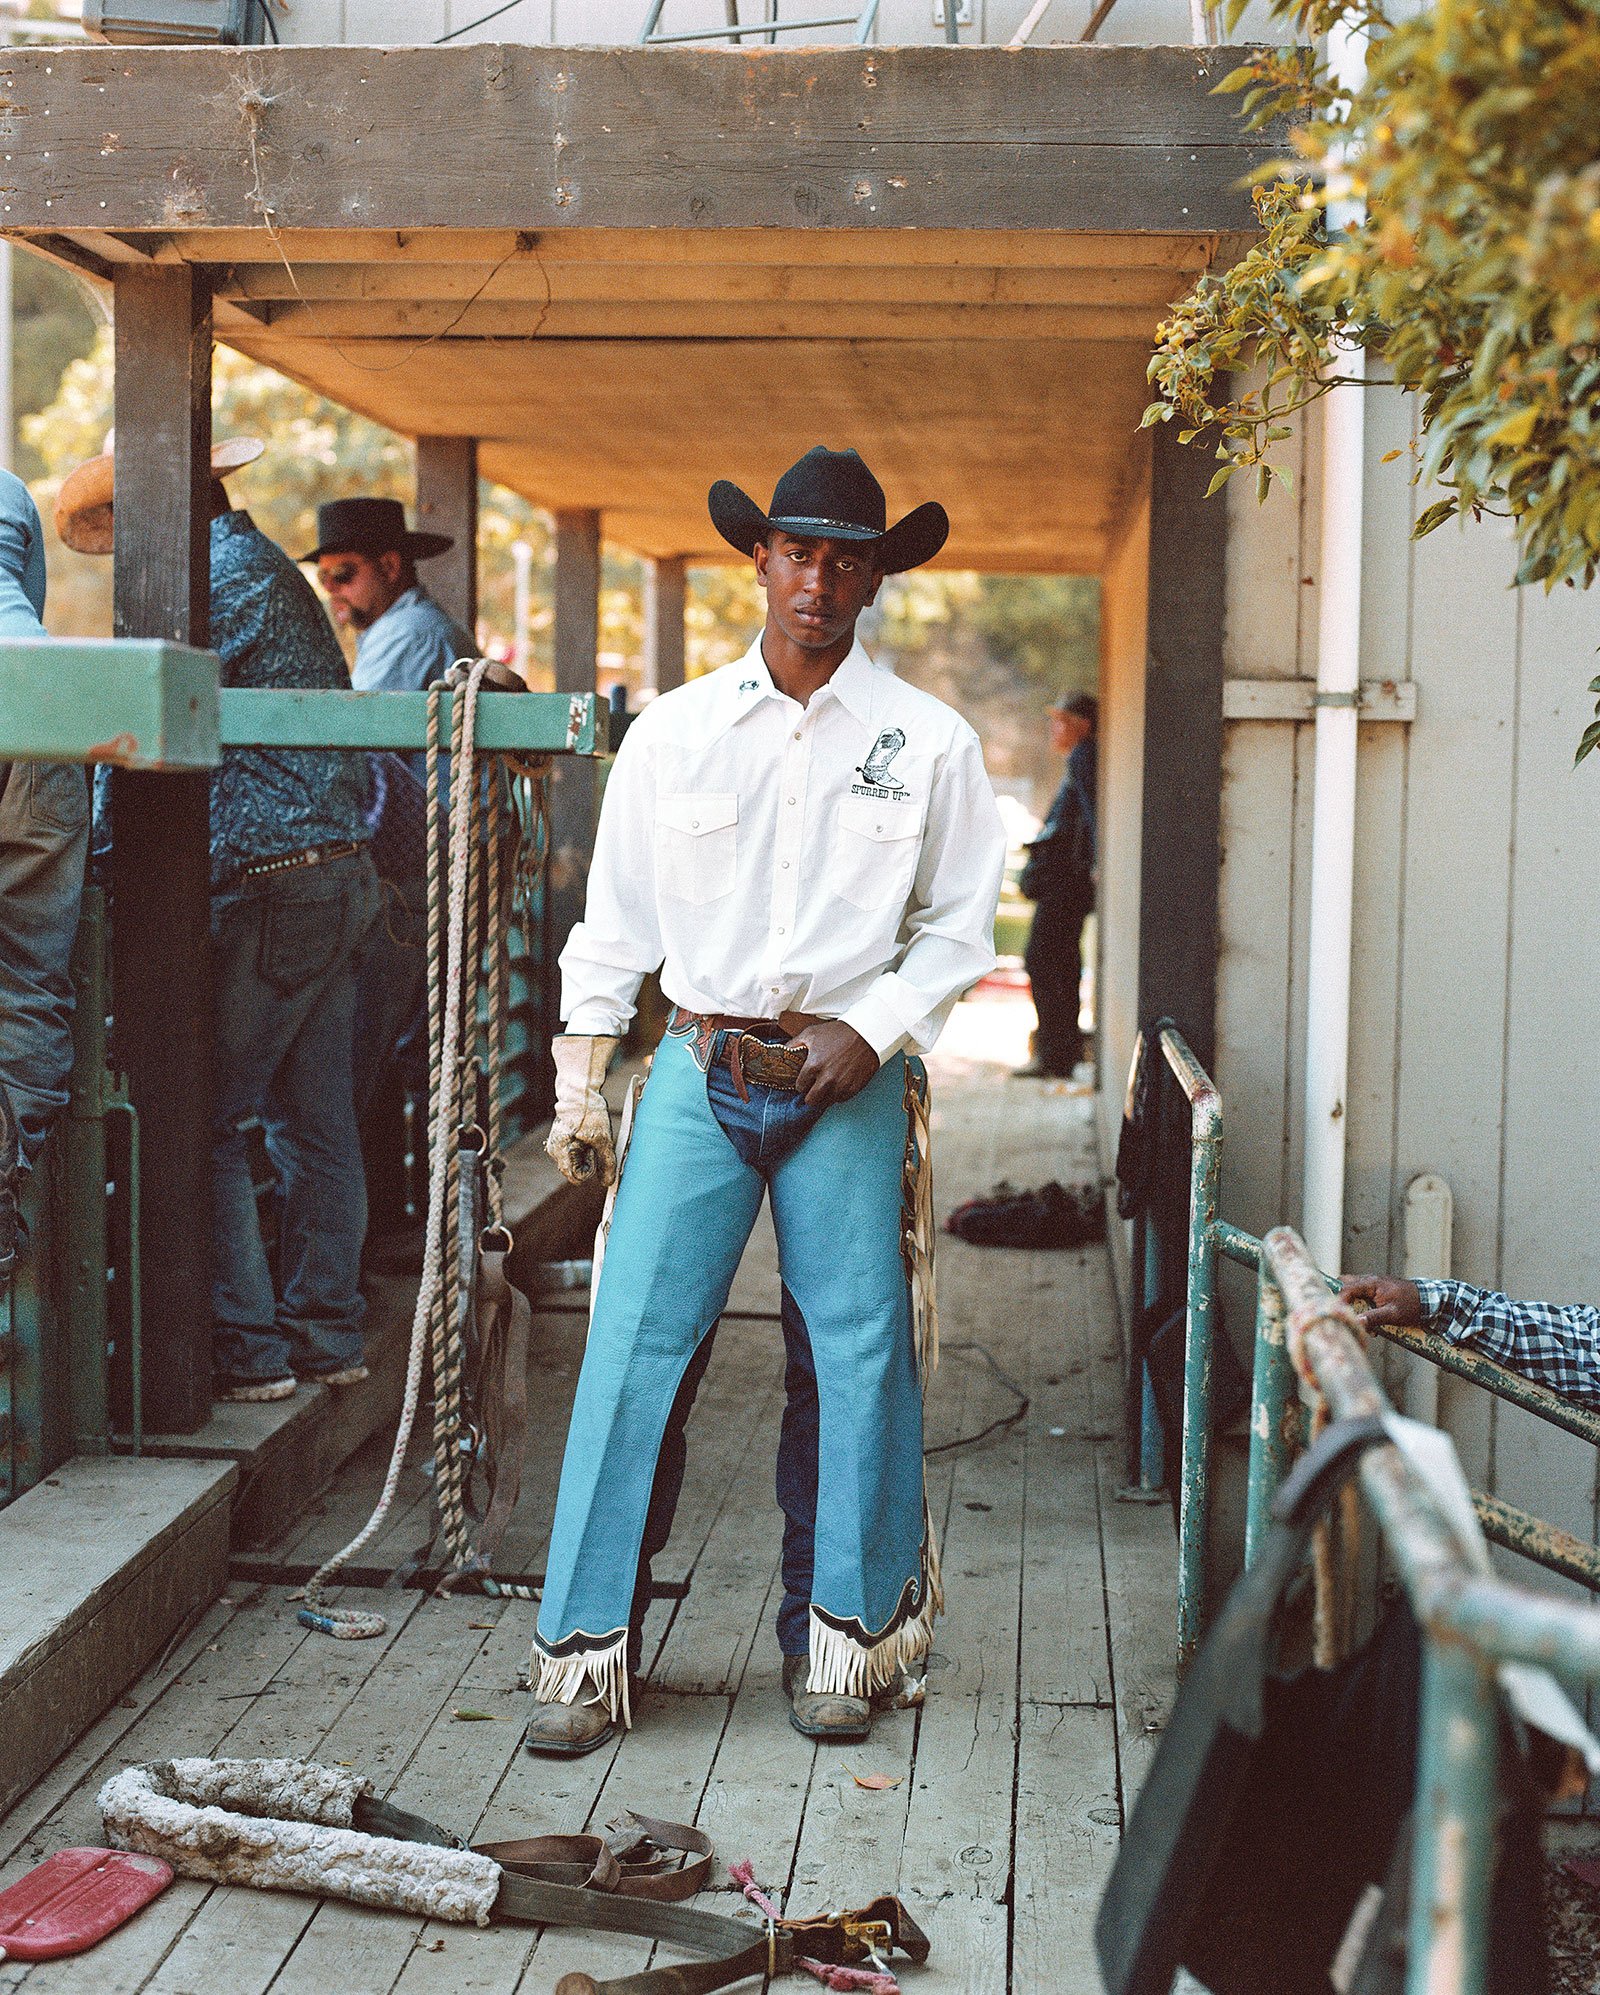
{"x": 950, "y": 922}
{"x": 1555, "y": 1344}
{"x": 618, "y": 942}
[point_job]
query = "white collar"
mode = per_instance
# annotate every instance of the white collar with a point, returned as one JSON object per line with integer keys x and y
{"x": 851, "y": 680}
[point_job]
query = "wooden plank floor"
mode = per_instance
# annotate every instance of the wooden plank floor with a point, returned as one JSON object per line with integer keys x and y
{"x": 1050, "y": 1677}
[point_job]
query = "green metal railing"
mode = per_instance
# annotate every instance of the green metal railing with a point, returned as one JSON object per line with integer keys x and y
{"x": 1308, "y": 1346}
{"x": 1470, "y": 1623}
{"x": 70, "y": 1323}
{"x": 1275, "y": 1401}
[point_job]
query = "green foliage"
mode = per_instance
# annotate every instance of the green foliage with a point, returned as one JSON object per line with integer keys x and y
{"x": 1470, "y": 268}
{"x": 53, "y": 324}
{"x": 1044, "y": 629}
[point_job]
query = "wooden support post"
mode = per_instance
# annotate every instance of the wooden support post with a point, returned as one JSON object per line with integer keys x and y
{"x": 665, "y": 592}
{"x": 573, "y": 788}
{"x": 447, "y": 502}
{"x": 160, "y": 872}
{"x": 1182, "y": 829}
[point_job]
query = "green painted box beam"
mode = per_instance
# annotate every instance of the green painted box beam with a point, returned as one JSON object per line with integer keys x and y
{"x": 140, "y": 703}
{"x": 555, "y": 723}
{"x": 145, "y": 704}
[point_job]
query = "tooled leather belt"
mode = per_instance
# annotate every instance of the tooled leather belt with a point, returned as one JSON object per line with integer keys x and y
{"x": 746, "y": 1047}
{"x": 312, "y": 855}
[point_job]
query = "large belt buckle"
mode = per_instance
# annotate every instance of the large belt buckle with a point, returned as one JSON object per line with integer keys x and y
{"x": 770, "y": 1066}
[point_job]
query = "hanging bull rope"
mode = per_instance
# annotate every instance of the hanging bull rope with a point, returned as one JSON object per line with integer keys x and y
{"x": 466, "y": 1309}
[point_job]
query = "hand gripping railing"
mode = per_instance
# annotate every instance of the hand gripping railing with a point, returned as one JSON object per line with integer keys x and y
{"x": 1469, "y": 1623}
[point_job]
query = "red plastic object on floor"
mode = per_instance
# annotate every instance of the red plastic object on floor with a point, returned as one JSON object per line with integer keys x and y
{"x": 75, "y": 1898}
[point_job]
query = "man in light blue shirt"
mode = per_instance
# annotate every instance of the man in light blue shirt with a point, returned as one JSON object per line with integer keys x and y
{"x": 366, "y": 560}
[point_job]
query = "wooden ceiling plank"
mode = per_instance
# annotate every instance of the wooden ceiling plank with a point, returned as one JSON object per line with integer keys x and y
{"x": 984, "y": 249}
{"x": 700, "y": 284}
{"x": 494, "y": 319}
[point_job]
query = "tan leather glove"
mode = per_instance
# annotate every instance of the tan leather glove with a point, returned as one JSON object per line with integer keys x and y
{"x": 579, "y": 1142}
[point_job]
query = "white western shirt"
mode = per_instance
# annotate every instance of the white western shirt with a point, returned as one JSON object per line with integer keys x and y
{"x": 841, "y": 858}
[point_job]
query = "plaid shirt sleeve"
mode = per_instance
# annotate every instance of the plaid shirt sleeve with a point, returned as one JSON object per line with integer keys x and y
{"x": 1554, "y": 1344}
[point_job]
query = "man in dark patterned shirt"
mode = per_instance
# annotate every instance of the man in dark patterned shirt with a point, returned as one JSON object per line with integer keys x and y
{"x": 293, "y": 893}
{"x": 1555, "y": 1344}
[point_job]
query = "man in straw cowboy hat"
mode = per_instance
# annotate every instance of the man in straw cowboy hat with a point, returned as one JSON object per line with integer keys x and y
{"x": 809, "y": 852}
{"x": 293, "y": 893}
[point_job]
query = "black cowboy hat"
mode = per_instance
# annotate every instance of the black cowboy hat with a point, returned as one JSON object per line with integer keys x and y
{"x": 831, "y": 495}
{"x": 371, "y": 526}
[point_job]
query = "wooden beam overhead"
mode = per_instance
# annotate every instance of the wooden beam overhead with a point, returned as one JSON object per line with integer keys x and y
{"x": 1021, "y": 249}
{"x": 492, "y": 319}
{"x": 522, "y": 138}
{"x": 532, "y": 280}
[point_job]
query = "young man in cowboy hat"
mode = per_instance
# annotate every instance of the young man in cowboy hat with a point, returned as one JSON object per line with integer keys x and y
{"x": 293, "y": 893}
{"x": 366, "y": 560}
{"x": 809, "y": 852}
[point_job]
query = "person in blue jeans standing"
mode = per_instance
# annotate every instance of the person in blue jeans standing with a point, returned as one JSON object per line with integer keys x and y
{"x": 293, "y": 894}
{"x": 44, "y": 836}
{"x": 809, "y": 853}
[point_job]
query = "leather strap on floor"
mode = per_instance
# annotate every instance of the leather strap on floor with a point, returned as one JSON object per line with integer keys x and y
{"x": 562, "y": 1881}
{"x": 632, "y": 1858}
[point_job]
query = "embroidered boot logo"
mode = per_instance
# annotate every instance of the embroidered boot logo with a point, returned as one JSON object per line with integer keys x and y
{"x": 876, "y": 780}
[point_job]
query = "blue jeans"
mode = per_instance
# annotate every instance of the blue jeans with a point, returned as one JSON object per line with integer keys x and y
{"x": 797, "y": 1484}
{"x": 855, "y": 1556}
{"x": 285, "y": 949}
{"x": 763, "y": 1125}
{"x": 391, "y": 1007}
{"x": 44, "y": 836}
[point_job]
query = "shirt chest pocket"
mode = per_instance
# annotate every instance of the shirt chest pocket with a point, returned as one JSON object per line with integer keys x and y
{"x": 875, "y": 851}
{"x": 697, "y": 844}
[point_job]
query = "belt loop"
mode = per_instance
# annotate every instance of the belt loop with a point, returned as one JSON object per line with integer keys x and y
{"x": 736, "y": 1064}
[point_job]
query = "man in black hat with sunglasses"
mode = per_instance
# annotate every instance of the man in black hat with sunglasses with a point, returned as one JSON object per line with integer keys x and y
{"x": 809, "y": 853}
{"x": 366, "y": 558}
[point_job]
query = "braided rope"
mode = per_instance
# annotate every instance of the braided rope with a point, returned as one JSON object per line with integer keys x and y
{"x": 448, "y": 1469}
{"x": 348, "y": 1624}
{"x": 495, "y": 1021}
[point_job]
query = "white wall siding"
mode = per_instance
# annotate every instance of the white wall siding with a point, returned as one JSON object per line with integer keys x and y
{"x": 1270, "y": 634}
{"x": 1477, "y": 930}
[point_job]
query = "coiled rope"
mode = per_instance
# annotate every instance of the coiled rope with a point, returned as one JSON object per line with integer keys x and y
{"x": 456, "y": 892}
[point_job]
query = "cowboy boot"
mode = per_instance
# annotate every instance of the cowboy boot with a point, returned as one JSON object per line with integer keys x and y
{"x": 568, "y": 1731}
{"x": 823, "y": 1715}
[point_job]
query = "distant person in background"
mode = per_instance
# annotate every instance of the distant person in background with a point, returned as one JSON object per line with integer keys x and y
{"x": 366, "y": 560}
{"x": 293, "y": 894}
{"x": 1059, "y": 879}
{"x": 44, "y": 838}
